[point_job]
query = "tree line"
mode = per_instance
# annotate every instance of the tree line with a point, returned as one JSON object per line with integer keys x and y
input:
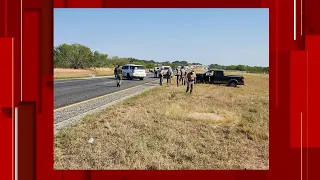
{"x": 249, "y": 69}
{"x": 78, "y": 56}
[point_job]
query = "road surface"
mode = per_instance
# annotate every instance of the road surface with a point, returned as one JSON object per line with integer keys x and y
{"x": 67, "y": 92}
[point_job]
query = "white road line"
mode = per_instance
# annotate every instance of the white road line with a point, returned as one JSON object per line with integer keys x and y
{"x": 99, "y": 97}
{"x": 76, "y": 80}
{"x": 83, "y": 79}
{"x": 80, "y": 87}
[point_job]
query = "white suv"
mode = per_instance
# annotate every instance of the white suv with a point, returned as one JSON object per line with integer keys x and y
{"x": 132, "y": 71}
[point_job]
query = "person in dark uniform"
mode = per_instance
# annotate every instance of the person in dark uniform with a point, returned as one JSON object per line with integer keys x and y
{"x": 118, "y": 74}
{"x": 155, "y": 72}
{"x": 115, "y": 71}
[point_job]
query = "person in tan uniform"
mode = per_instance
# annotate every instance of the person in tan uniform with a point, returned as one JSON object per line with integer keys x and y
{"x": 187, "y": 72}
{"x": 190, "y": 79}
{"x": 185, "y": 79}
{"x": 195, "y": 76}
{"x": 169, "y": 76}
{"x": 183, "y": 76}
{"x": 161, "y": 73}
{"x": 178, "y": 74}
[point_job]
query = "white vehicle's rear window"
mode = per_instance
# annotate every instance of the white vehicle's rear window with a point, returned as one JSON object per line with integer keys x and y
{"x": 139, "y": 67}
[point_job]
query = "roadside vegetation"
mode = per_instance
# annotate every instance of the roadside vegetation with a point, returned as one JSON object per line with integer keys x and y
{"x": 73, "y": 57}
{"x": 216, "y": 127}
{"x": 242, "y": 68}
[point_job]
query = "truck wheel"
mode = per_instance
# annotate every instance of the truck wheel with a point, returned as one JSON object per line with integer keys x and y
{"x": 141, "y": 79}
{"x": 233, "y": 84}
{"x": 128, "y": 76}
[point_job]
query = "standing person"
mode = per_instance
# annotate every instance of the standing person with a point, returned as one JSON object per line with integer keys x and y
{"x": 115, "y": 71}
{"x": 118, "y": 74}
{"x": 161, "y": 75}
{"x": 195, "y": 76}
{"x": 185, "y": 79}
{"x": 183, "y": 76}
{"x": 190, "y": 78}
{"x": 178, "y": 74}
{"x": 169, "y": 76}
{"x": 155, "y": 72}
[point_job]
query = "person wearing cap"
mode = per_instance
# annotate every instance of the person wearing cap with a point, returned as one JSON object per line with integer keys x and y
{"x": 183, "y": 76}
{"x": 188, "y": 71}
{"x": 185, "y": 79}
{"x": 169, "y": 76}
{"x": 190, "y": 79}
{"x": 178, "y": 74}
{"x": 161, "y": 75}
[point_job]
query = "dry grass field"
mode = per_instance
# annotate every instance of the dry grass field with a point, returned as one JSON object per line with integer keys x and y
{"x": 200, "y": 69}
{"x": 78, "y": 73}
{"x": 217, "y": 127}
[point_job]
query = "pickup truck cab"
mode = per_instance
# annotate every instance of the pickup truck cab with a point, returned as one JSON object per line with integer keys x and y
{"x": 218, "y": 77}
{"x": 132, "y": 71}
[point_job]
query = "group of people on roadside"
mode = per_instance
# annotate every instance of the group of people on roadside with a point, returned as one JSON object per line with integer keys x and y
{"x": 168, "y": 75}
{"x": 184, "y": 77}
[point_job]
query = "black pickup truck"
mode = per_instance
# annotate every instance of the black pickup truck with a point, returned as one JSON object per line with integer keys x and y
{"x": 218, "y": 77}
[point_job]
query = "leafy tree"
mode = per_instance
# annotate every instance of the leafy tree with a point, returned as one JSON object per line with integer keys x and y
{"x": 250, "y": 69}
{"x": 74, "y": 56}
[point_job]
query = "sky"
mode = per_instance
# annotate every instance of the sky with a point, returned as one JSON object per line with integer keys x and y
{"x": 207, "y": 36}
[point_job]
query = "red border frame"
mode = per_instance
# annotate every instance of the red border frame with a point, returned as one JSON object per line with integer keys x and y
{"x": 293, "y": 83}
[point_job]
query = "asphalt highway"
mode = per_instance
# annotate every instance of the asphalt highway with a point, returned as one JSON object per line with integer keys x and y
{"x": 67, "y": 92}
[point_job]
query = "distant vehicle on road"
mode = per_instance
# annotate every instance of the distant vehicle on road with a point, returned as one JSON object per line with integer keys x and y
{"x": 166, "y": 69}
{"x": 133, "y": 71}
{"x": 156, "y": 71}
{"x": 218, "y": 77}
